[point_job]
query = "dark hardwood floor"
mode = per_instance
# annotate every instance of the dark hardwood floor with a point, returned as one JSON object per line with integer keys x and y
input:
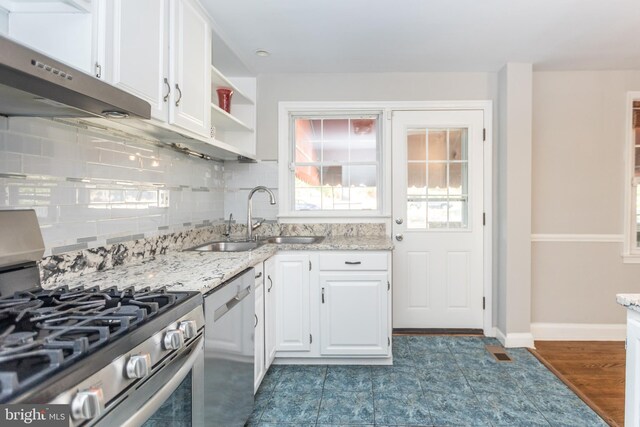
{"x": 593, "y": 369}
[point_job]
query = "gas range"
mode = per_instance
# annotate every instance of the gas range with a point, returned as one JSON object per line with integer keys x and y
{"x": 43, "y": 332}
{"x": 92, "y": 349}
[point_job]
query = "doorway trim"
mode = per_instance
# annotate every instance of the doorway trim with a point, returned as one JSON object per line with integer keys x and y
{"x": 388, "y": 107}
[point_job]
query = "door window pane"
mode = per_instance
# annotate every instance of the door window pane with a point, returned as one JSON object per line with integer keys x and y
{"x": 437, "y": 141}
{"x": 416, "y": 144}
{"x": 445, "y": 168}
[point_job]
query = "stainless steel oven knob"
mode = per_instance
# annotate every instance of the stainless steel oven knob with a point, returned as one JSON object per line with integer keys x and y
{"x": 87, "y": 404}
{"x": 138, "y": 366}
{"x": 173, "y": 339}
{"x": 188, "y": 328}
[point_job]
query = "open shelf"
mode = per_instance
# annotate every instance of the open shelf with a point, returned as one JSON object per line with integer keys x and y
{"x": 226, "y": 122}
{"x": 219, "y": 80}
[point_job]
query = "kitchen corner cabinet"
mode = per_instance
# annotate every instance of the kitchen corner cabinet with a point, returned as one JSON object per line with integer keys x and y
{"x": 632, "y": 380}
{"x": 339, "y": 301}
{"x": 160, "y": 51}
{"x": 260, "y": 367}
{"x": 293, "y": 330}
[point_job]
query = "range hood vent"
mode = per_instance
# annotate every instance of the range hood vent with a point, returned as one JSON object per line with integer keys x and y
{"x": 34, "y": 85}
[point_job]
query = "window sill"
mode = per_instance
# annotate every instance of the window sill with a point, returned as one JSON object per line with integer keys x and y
{"x": 631, "y": 258}
{"x": 303, "y": 218}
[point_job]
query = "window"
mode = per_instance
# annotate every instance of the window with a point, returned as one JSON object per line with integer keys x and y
{"x": 632, "y": 238}
{"x": 635, "y": 137}
{"x": 335, "y": 163}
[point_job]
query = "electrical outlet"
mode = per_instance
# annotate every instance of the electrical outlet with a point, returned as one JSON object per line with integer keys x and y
{"x": 163, "y": 198}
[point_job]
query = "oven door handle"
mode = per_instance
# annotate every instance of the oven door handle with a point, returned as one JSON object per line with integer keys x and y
{"x": 165, "y": 392}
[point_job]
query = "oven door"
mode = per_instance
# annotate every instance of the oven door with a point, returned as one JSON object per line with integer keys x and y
{"x": 167, "y": 397}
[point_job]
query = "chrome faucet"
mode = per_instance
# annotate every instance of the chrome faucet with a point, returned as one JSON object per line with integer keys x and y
{"x": 250, "y": 225}
{"x": 228, "y": 233}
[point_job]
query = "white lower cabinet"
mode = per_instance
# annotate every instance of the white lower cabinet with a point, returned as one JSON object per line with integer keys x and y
{"x": 293, "y": 329}
{"x": 353, "y": 314}
{"x": 632, "y": 380}
{"x": 259, "y": 355}
{"x": 270, "y": 307}
{"x": 333, "y": 305}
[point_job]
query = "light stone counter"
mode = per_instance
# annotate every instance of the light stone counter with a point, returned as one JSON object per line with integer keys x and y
{"x": 204, "y": 271}
{"x": 630, "y": 301}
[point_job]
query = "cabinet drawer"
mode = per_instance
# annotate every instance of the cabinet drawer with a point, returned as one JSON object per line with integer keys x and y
{"x": 259, "y": 274}
{"x": 353, "y": 261}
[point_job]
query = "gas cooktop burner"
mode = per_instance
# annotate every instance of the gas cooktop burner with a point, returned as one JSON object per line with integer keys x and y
{"x": 43, "y": 331}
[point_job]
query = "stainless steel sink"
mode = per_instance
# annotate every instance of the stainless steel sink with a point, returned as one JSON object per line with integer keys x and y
{"x": 287, "y": 240}
{"x": 227, "y": 246}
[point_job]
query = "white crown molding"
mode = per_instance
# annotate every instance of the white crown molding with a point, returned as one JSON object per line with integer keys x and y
{"x": 579, "y": 331}
{"x": 581, "y": 238}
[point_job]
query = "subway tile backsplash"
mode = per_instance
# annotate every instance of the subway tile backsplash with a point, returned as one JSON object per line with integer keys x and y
{"x": 91, "y": 188}
{"x": 240, "y": 178}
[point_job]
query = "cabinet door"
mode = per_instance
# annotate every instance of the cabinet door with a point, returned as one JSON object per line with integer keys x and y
{"x": 191, "y": 65}
{"x": 270, "y": 311}
{"x": 136, "y": 51}
{"x": 632, "y": 381}
{"x": 353, "y": 314}
{"x": 293, "y": 331}
{"x": 259, "y": 366}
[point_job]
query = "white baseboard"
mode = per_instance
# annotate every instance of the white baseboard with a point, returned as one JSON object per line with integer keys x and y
{"x": 515, "y": 339}
{"x": 579, "y": 331}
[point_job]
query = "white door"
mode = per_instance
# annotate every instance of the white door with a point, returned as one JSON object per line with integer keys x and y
{"x": 191, "y": 66}
{"x": 438, "y": 219}
{"x": 353, "y": 314}
{"x": 136, "y": 51}
{"x": 293, "y": 329}
{"x": 270, "y": 311}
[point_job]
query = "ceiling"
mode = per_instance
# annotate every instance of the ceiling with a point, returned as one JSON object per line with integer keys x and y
{"x": 428, "y": 35}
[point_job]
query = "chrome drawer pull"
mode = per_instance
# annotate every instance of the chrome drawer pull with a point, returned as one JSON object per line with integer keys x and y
{"x": 353, "y": 262}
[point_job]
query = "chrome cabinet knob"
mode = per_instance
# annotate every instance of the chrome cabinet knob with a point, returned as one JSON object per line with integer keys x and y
{"x": 399, "y": 237}
{"x": 399, "y": 221}
{"x": 188, "y": 328}
{"x": 173, "y": 339}
{"x": 87, "y": 404}
{"x": 138, "y": 366}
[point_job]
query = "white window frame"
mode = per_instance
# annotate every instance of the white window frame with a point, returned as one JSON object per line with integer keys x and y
{"x": 631, "y": 253}
{"x": 286, "y": 149}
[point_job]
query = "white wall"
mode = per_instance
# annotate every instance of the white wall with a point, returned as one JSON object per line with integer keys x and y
{"x": 578, "y": 189}
{"x": 89, "y": 189}
{"x": 273, "y": 88}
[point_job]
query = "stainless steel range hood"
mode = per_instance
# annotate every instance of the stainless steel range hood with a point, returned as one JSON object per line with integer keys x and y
{"x": 34, "y": 85}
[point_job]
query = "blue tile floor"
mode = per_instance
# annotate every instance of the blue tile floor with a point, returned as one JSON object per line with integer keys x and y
{"x": 435, "y": 381}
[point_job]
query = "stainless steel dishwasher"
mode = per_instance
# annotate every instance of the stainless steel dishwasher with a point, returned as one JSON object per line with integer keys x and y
{"x": 229, "y": 352}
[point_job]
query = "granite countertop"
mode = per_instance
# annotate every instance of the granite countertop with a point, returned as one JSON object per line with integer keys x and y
{"x": 204, "y": 271}
{"x": 630, "y": 301}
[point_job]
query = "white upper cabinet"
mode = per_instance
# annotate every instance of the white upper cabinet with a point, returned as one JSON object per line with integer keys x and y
{"x": 136, "y": 51}
{"x": 191, "y": 68}
{"x": 160, "y": 51}
{"x": 63, "y": 30}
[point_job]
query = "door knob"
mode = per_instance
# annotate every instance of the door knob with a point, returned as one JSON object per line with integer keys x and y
{"x": 399, "y": 237}
{"x": 399, "y": 221}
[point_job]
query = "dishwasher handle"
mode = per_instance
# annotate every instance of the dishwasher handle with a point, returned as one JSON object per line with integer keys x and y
{"x": 226, "y": 307}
